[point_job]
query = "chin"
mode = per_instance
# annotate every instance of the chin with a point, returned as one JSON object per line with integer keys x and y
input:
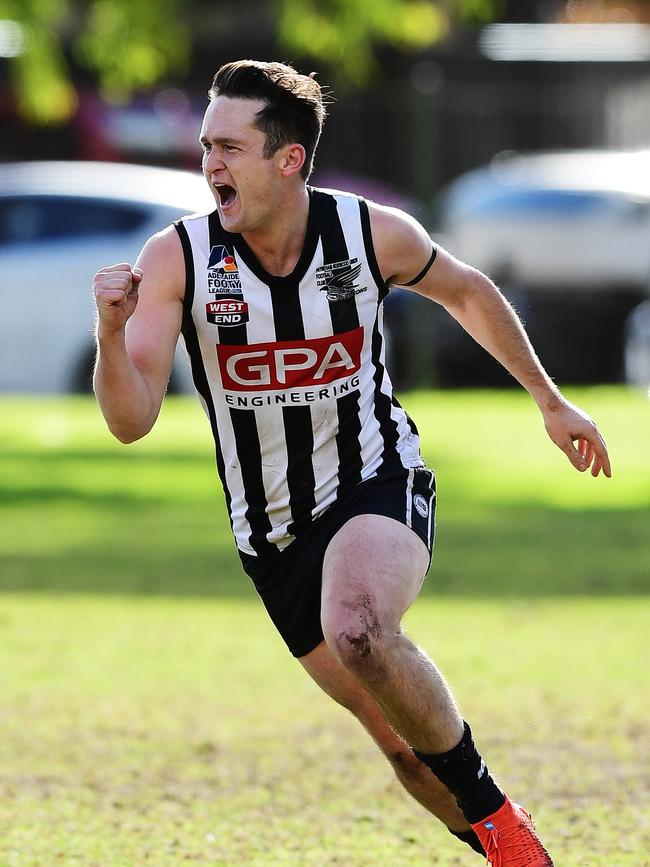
{"x": 231, "y": 222}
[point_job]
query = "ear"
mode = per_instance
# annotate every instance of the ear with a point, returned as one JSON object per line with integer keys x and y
{"x": 292, "y": 159}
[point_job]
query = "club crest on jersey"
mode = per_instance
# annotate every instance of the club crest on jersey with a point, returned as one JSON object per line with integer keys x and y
{"x": 227, "y": 310}
{"x": 338, "y": 279}
{"x": 223, "y": 272}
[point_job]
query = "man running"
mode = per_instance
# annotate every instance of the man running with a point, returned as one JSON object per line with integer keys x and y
{"x": 278, "y": 294}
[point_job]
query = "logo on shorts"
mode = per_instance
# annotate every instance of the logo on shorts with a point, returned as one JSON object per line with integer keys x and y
{"x": 421, "y": 505}
{"x": 223, "y": 272}
{"x": 337, "y": 279}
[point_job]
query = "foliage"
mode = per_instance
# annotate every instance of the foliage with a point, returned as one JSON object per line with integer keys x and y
{"x": 343, "y": 33}
{"x": 479, "y": 11}
{"x": 40, "y": 76}
{"x": 133, "y": 44}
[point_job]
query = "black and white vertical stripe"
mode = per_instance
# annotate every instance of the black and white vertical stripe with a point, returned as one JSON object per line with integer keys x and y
{"x": 282, "y": 465}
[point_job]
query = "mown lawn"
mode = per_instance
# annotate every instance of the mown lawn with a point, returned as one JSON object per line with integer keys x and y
{"x": 81, "y": 512}
{"x": 150, "y": 715}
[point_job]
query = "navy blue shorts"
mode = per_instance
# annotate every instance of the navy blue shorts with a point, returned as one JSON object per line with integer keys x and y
{"x": 289, "y": 582}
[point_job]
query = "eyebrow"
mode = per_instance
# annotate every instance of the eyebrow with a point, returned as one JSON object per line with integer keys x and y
{"x": 204, "y": 139}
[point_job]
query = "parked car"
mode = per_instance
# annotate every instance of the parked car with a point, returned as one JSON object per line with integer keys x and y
{"x": 566, "y": 220}
{"x": 60, "y": 222}
{"x": 567, "y": 237}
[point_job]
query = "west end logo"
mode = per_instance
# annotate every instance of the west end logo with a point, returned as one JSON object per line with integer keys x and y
{"x": 338, "y": 279}
{"x": 223, "y": 273}
{"x": 227, "y": 310}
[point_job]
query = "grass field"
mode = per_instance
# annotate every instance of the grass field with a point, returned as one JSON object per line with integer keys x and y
{"x": 150, "y": 715}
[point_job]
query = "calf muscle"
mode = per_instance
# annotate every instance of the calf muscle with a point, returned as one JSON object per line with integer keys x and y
{"x": 414, "y": 776}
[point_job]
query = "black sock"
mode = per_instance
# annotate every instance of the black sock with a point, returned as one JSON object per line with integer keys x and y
{"x": 471, "y": 839}
{"x": 465, "y": 774}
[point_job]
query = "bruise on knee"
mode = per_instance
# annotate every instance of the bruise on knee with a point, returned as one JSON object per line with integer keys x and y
{"x": 359, "y": 640}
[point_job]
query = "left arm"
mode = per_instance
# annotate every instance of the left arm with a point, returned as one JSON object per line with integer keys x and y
{"x": 403, "y": 248}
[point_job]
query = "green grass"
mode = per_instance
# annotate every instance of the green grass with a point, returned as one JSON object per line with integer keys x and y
{"x": 80, "y": 512}
{"x": 150, "y": 715}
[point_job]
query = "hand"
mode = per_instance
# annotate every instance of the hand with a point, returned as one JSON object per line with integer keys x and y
{"x": 116, "y": 294}
{"x": 566, "y": 424}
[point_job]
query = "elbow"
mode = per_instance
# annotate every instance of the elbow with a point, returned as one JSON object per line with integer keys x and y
{"x": 128, "y": 421}
{"x": 478, "y": 285}
{"x": 126, "y": 438}
{"x": 127, "y": 434}
{"x": 469, "y": 290}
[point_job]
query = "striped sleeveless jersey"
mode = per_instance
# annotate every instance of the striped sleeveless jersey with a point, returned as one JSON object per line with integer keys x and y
{"x": 291, "y": 370}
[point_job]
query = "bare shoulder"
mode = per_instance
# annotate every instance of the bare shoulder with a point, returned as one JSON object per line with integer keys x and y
{"x": 403, "y": 248}
{"x": 163, "y": 265}
{"x": 402, "y": 245}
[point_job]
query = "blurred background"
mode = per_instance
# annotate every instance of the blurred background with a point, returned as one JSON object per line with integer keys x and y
{"x": 517, "y": 131}
{"x": 150, "y": 714}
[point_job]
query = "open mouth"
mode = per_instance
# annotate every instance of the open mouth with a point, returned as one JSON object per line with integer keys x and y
{"x": 226, "y": 193}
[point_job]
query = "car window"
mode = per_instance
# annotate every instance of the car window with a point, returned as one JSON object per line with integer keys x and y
{"x": 546, "y": 201}
{"x": 24, "y": 219}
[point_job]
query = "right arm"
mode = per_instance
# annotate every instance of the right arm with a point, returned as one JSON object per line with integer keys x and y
{"x": 139, "y": 313}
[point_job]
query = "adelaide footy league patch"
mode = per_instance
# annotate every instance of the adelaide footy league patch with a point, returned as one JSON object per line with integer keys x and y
{"x": 223, "y": 272}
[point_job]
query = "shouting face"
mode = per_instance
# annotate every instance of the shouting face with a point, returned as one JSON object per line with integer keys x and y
{"x": 247, "y": 186}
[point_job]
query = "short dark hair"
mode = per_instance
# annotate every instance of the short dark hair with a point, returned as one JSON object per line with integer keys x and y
{"x": 294, "y": 110}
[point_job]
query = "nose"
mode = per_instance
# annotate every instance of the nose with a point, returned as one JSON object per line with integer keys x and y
{"x": 213, "y": 162}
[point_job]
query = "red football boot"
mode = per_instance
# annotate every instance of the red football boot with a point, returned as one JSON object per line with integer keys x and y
{"x": 509, "y": 839}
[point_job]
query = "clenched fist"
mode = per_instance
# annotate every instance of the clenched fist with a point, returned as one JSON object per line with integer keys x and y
{"x": 116, "y": 294}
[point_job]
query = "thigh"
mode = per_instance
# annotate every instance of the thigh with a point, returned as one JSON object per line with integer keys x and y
{"x": 373, "y": 568}
{"x": 290, "y": 586}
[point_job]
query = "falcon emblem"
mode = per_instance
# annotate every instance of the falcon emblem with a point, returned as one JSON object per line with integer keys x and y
{"x": 338, "y": 280}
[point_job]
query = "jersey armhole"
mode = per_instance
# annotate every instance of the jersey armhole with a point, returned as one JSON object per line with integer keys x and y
{"x": 369, "y": 247}
{"x": 188, "y": 295}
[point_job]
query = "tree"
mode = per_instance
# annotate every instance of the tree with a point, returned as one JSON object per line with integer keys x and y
{"x": 132, "y": 44}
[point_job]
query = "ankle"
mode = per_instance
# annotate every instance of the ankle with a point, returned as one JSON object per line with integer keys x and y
{"x": 465, "y": 774}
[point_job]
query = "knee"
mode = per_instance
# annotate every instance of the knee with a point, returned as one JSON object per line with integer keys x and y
{"x": 357, "y": 636}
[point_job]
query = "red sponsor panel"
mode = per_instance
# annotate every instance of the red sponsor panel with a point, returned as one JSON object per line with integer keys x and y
{"x": 290, "y": 363}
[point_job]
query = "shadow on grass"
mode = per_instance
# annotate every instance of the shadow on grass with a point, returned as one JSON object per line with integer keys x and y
{"x": 173, "y": 549}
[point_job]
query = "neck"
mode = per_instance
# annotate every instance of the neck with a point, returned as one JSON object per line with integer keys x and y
{"x": 279, "y": 244}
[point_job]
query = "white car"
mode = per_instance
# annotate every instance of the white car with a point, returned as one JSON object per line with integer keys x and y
{"x": 565, "y": 220}
{"x": 567, "y": 236}
{"x": 59, "y": 223}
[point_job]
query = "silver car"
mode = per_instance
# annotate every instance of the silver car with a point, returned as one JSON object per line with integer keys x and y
{"x": 60, "y": 222}
{"x": 567, "y": 235}
{"x": 565, "y": 220}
